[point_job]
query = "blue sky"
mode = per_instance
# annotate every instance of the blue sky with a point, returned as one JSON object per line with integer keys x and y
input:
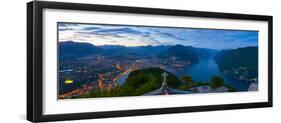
{"x": 143, "y": 36}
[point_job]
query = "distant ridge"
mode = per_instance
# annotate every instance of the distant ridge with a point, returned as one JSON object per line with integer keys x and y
{"x": 73, "y": 50}
{"x": 181, "y": 53}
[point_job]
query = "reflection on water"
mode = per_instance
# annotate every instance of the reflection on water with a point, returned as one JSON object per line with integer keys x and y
{"x": 122, "y": 79}
{"x": 202, "y": 72}
{"x": 205, "y": 70}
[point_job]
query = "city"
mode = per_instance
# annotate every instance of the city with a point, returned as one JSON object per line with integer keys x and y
{"x": 98, "y": 72}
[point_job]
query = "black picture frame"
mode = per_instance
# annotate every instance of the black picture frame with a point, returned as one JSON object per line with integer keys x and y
{"x": 35, "y": 69}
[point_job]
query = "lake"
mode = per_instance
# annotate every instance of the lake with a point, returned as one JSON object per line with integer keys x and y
{"x": 203, "y": 72}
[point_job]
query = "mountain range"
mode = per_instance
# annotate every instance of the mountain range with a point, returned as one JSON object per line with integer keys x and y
{"x": 70, "y": 50}
{"x": 239, "y": 63}
{"x": 73, "y": 50}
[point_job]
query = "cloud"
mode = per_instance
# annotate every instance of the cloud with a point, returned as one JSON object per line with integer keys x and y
{"x": 170, "y": 35}
{"x": 94, "y": 33}
{"x": 91, "y": 28}
{"x": 140, "y": 36}
{"x": 65, "y": 29}
{"x": 119, "y": 31}
{"x": 67, "y": 26}
{"x": 64, "y": 24}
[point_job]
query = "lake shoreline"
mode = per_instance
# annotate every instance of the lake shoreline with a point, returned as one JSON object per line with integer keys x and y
{"x": 208, "y": 67}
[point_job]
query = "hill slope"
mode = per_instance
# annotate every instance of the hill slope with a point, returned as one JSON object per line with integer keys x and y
{"x": 241, "y": 63}
{"x": 181, "y": 53}
{"x": 72, "y": 50}
{"x": 146, "y": 80}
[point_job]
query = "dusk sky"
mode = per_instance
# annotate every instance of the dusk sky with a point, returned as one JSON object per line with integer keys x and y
{"x": 142, "y": 36}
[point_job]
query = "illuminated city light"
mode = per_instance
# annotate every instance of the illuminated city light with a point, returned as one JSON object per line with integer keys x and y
{"x": 68, "y": 81}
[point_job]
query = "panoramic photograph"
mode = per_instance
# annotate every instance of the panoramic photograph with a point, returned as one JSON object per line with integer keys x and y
{"x": 105, "y": 60}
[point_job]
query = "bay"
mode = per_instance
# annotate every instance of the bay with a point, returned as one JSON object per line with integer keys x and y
{"x": 202, "y": 72}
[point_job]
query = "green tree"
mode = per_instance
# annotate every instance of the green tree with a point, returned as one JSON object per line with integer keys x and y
{"x": 187, "y": 80}
{"x": 216, "y": 82}
{"x": 145, "y": 80}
